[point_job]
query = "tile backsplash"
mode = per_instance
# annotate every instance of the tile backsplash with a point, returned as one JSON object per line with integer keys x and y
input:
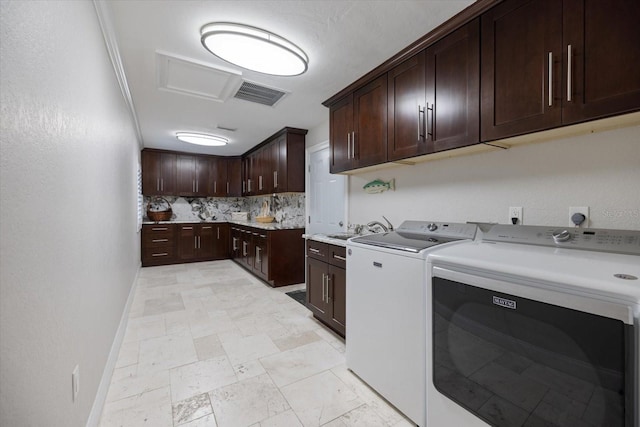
{"x": 287, "y": 208}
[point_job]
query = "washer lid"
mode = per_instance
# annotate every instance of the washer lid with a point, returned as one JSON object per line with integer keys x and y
{"x": 403, "y": 241}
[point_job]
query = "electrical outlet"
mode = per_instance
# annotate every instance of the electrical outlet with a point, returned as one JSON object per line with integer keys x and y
{"x": 515, "y": 212}
{"x": 75, "y": 382}
{"x": 584, "y": 210}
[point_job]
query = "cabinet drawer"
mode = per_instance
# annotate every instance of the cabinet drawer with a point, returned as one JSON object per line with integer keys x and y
{"x": 157, "y": 230}
{"x": 317, "y": 250}
{"x": 157, "y": 255}
{"x": 337, "y": 256}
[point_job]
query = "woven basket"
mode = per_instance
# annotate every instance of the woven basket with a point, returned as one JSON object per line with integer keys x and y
{"x": 164, "y": 215}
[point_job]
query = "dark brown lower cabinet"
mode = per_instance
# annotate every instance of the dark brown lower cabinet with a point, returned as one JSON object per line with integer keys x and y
{"x": 275, "y": 256}
{"x": 158, "y": 244}
{"x": 326, "y": 284}
{"x": 187, "y": 242}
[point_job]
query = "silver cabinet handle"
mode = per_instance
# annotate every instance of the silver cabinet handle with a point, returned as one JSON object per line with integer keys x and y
{"x": 160, "y": 240}
{"x": 207, "y": 227}
{"x": 275, "y": 179}
{"x": 258, "y": 260}
{"x": 550, "y": 79}
{"x": 426, "y": 113}
{"x": 218, "y": 230}
{"x": 314, "y": 250}
{"x": 348, "y": 145}
{"x": 158, "y": 184}
{"x": 235, "y": 241}
{"x": 227, "y": 187}
{"x": 421, "y": 113}
{"x": 324, "y": 276}
{"x": 160, "y": 229}
{"x": 353, "y": 143}
{"x": 328, "y": 288}
{"x": 249, "y": 185}
{"x": 187, "y": 228}
{"x": 197, "y": 186}
{"x": 244, "y": 248}
{"x": 160, "y": 254}
{"x": 162, "y": 184}
{"x": 244, "y": 186}
{"x": 193, "y": 186}
{"x": 195, "y": 242}
{"x": 260, "y": 182}
{"x": 264, "y": 236}
{"x": 341, "y": 258}
{"x": 215, "y": 186}
{"x": 569, "y": 88}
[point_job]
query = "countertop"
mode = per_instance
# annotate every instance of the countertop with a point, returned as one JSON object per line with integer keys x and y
{"x": 260, "y": 225}
{"x": 326, "y": 239}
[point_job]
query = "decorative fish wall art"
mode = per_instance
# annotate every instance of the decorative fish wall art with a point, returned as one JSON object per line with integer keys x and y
{"x": 378, "y": 186}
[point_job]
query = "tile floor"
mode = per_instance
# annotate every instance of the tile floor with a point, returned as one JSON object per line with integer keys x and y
{"x": 209, "y": 345}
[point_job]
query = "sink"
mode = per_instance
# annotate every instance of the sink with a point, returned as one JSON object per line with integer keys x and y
{"x": 341, "y": 236}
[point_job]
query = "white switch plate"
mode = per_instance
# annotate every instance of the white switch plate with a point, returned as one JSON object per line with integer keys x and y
{"x": 515, "y": 212}
{"x": 75, "y": 382}
{"x": 584, "y": 210}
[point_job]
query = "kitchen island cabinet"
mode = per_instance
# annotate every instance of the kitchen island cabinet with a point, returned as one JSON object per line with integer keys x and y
{"x": 273, "y": 255}
{"x": 326, "y": 284}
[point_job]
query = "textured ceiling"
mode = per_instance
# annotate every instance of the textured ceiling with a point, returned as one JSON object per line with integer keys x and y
{"x": 343, "y": 39}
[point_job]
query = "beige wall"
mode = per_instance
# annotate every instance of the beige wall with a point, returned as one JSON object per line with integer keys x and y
{"x": 69, "y": 249}
{"x": 600, "y": 170}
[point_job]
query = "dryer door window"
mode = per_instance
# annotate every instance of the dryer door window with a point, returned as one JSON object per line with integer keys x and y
{"x": 518, "y": 362}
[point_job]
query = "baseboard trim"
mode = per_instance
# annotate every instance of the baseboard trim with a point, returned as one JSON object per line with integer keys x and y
{"x": 105, "y": 381}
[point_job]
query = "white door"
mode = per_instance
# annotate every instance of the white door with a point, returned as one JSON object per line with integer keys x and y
{"x": 326, "y": 195}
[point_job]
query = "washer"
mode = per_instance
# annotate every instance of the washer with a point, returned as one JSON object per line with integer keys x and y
{"x": 385, "y": 308}
{"x": 534, "y": 326}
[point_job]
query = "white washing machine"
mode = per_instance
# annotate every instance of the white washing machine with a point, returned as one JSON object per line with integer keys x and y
{"x": 534, "y": 326}
{"x": 385, "y": 309}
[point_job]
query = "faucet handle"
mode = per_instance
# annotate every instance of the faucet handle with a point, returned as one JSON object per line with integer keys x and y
{"x": 389, "y": 225}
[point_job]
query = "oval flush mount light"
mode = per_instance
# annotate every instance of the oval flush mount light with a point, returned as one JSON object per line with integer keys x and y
{"x": 201, "y": 139}
{"x": 254, "y": 49}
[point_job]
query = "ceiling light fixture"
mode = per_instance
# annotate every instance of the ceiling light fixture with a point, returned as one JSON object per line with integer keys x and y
{"x": 202, "y": 139}
{"x": 254, "y": 49}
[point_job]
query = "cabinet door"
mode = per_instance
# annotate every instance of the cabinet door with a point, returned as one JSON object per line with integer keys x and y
{"x": 187, "y": 242}
{"x": 602, "y": 71}
{"x": 234, "y": 177}
{"x": 261, "y": 251}
{"x": 247, "y": 248}
{"x": 202, "y": 174}
{"x": 316, "y": 277}
{"x": 453, "y": 90}
{"x": 236, "y": 243}
{"x": 340, "y": 133}
{"x": 369, "y": 138}
{"x": 246, "y": 175}
{"x": 206, "y": 242}
{"x": 406, "y": 110}
{"x": 150, "y": 173}
{"x": 337, "y": 297}
{"x": 266, "y": 170}
{"x": 279, "y": 164}
{"x": 168, "y": 174}
{"x": 218, "y": 182}
{"x": 221, "y": 241}
{"x": 186, "y": 175}
{"x": 521, "y": 49}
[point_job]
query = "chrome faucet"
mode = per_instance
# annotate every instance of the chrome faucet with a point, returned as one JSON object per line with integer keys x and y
{"x": 386, "y": 228}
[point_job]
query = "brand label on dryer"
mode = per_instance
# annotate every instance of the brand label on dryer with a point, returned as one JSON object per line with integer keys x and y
{"x": 502, "y": 302}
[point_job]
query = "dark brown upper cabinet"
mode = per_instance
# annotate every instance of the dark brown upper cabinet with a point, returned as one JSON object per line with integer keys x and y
{"x": 602, "y": 72}
{"x": 276, "y": 165}
{"x": 234, "y": 176}
{"x": 434, "y": 97}
{"x": 359, "y": 134}
{"x": 158, "y": 173}
{"x": 452, "y": 112}
{"x": 193, "y": 175}
{"x": 551, "y": 63}
{"x": 406, "y": 135}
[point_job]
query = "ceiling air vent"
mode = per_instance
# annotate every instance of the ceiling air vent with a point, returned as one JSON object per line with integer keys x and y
{"x": 259, "y": 94}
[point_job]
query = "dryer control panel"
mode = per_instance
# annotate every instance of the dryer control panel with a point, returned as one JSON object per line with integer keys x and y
{"x": 589, "y": 239}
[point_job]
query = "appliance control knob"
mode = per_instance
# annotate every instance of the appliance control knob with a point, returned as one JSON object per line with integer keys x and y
{"x": 432, "y": 227}
{"x": 560, "y": 236}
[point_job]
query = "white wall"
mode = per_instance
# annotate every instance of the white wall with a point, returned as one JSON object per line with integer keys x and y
{"x": 69, "y": 250}
{"x": 600, "y": 170}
